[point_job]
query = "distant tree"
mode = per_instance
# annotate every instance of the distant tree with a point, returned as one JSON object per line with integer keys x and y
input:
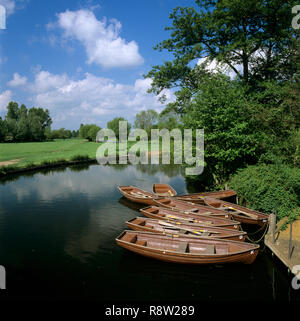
{"x": 13, "y": 111}
{"x": 147, "y": 120}
{"x": 3, "y": 129}
{"x": 26, "y": 124}
{"x": 114, "y": 125}
{"x": 169, "y": 121}
{"x": 89, "y": 131}
{"x": 23, "y": 130}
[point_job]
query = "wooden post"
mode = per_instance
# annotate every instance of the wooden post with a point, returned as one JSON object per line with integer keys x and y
{"x": 290, "y": 241}
{"x": 272, "y": 226}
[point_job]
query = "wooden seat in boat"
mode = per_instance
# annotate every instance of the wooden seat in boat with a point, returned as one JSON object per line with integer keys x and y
{"x": 183, "y": 246}
{"x": 210, "y": 249}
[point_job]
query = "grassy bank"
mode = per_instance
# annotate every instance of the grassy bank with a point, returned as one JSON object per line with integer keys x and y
{"x": 20, "y": 156}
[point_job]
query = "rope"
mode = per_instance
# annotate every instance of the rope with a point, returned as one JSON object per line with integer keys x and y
{"x": 257, "y": 241}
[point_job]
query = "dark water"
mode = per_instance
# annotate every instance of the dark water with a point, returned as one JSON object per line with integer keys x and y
{"x": 57, "y": 241}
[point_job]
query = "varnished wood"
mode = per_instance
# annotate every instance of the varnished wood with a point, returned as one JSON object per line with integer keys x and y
{"x": 172, "y": 227}
{"x": 187, "y": 250}
{"x": 240, "y": 213}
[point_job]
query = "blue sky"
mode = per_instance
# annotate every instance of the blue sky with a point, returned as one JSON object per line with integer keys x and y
{"x": 83, "y": 60}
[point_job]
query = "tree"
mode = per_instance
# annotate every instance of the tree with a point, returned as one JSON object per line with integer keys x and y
{"x": 89, "y": 131}
{"x": 3, "y": 129}
{"x": 254, "y": 39}
{"x": 147, "y": 120}
{"x": 221, "y": 108}
{"x": 114, "y": 125}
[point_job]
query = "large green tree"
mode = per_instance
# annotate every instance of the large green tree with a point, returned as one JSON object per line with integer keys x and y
{"x": 254, "y": 39}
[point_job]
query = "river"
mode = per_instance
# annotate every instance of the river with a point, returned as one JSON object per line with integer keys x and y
{"x": 57, "y": 241}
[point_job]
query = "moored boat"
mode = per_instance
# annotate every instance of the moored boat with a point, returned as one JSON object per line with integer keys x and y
{"x": 161, "y": 213}
{"x": 137, "y": 195}
{"x": 188, "y": 207}
{"x": 187, "y": 249}
{"x": 198, "y": 198}
{"x": 164, "y": 190}
{"x": 240, "y": 213}
{"x": 178, "y": 228}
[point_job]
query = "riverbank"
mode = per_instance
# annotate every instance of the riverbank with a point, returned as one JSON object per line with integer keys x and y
{"x": 24, "y": 157}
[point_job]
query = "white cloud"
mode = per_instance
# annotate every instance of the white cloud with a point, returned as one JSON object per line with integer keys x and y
{"x": 101, "y": 40}
{"x": 91, "y": 98}
{"x": 17, "y": 80}
{"x": 5, "y": 98}
{"x": 9, "y": 5}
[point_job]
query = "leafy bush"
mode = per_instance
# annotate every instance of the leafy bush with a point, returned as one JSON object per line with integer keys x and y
{"x": 269, "y": 188}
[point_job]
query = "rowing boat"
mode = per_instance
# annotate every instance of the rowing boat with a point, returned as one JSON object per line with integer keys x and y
{"x": 161, "y": 213}
{"x": 171, "y": 227}
{"x": 188, "y": 207}
{"x": 240, "y": 213}
{"x": 187, "y": 249}
{"x": 164, "y": 190}
{"x": 198, "y": 198}
{"x": 137, "y": 195}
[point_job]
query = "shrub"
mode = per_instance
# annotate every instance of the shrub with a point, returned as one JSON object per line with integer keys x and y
{"x": 269, "y": 188}
{"x": 79, "y": 158}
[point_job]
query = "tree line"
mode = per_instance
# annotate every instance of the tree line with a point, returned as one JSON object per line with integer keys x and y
{"x": 21, "y": 124}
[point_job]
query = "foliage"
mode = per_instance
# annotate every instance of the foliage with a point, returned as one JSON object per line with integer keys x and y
{"x": 114, "y": 125}
{"x": 22, "y": 124}
{"x": 80, "y": 158}
{"x": 89, "y": 132}
{"x": 253, "y": 39}
{"x": 269, "y": 188}
{"x": 61, "y": 133}
{"x": 147, "y": 120}
{"x": 231, "y": 139}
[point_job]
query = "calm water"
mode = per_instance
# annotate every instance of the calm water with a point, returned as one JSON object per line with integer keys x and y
{"x": 57, "y": 241}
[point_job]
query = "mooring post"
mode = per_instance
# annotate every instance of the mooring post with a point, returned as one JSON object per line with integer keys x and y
{"x": 272, "y": 226}
{"x": 290, "y": 241}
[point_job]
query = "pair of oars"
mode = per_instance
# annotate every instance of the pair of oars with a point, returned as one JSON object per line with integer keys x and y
{"x": 239, "y": 211}
{"x": 197, "y": 232}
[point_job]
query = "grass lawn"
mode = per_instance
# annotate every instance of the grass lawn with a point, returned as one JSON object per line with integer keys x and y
{"x": 22, "y": 155}
{"x": 38, "y": 152}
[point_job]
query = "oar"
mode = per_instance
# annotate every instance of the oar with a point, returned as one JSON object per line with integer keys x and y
{"x": 186, "y": 219}
{"x": 239, "y": 211}
{"x": 198, "y": 232}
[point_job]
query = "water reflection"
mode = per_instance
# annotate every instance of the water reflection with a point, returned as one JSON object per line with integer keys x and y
{"x": 57, "y": 238}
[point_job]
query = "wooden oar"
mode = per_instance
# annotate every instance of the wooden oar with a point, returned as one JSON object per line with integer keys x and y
{"x": 139, "y": 194}
{"x": 239, "y": 211}
{"x": 198, "y": 232}
{"x": 186, "y": 219}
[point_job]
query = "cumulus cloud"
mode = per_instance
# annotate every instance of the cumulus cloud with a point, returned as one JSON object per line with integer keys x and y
{"x": 17, "y": 80}
{"x": 9, "y": 5}
{"x": 5, "y": 98}
{"x": 90, "y": 98}
{"x": 101, "y": 39}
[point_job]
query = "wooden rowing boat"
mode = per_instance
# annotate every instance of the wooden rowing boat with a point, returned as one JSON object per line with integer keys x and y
{"x": 164, "y": 190}
{"x": 171, "y": 227}
{"x": 137, "y": 195}
{"x": 240, "y": 213}
{"x": 188, "y": 207}
{"x": 187, "y": 249}
{"x": 161, "y": 213}
{"x": 198, "y": 198}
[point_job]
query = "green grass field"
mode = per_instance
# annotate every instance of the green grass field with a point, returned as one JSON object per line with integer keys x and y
{"x": 26, "y": 155}
{"x": 36, "y": 153}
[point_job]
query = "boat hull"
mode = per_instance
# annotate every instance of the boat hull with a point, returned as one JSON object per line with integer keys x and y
{"x": 244, "y": 255}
